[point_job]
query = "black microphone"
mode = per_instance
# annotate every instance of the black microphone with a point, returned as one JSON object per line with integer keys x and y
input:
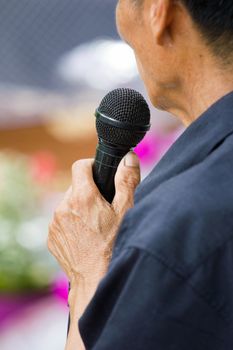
{"x": 122, "y": 120}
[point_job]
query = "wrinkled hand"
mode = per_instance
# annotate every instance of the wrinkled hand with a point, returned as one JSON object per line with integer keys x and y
{"x": 84, "y": 228}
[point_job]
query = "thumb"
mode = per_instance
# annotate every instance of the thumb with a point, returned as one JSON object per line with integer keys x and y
{"x": 126, "y": 180}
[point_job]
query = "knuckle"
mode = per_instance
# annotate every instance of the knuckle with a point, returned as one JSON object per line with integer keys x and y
{"x": 78, "y": 165}
{"x": 123, "y": 206}
{"x": 127, "y": 201}
{"x": 72, "y": 202}
{"x": 58, "y": 217}
{"x": 75, "y": 165}
{"x": 52, "y": 231}
{"x": 87, "y": 194}
{"x": 51, "y": 228}
{"x": 129, "y": 182}
{"x": 52, "y": 238}
{"x": 50, "y": 242}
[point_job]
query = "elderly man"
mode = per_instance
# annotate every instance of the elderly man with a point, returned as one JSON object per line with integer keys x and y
{"x": 161, "y": 275}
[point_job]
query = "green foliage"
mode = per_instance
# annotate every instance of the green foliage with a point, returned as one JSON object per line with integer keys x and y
{"x": 25, "y": 264}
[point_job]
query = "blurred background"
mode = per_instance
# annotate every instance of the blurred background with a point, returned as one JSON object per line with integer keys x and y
{"x": 58, "y": 60}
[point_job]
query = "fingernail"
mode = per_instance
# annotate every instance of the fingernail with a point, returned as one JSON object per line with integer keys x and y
{"x": 131, "y": 160}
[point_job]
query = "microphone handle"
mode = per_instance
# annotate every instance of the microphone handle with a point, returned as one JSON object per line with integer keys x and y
{"x": 105, "y": 166}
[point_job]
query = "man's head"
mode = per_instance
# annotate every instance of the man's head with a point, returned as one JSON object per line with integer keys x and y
{"x": 175, "y": 42}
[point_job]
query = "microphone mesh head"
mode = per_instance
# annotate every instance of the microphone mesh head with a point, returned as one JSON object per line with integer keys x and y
{"x": 126, "y": 106}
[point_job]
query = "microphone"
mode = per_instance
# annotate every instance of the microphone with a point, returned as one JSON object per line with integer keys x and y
{"x": 122, "y": 120}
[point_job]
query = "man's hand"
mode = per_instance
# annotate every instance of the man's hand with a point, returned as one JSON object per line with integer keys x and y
{"x": 84, "y": 228}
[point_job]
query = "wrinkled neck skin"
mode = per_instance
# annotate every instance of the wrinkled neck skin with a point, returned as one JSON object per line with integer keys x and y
{"x": 202, "y": 83}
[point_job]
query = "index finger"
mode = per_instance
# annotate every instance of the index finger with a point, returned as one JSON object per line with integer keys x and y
{"x": 83, "y": 185}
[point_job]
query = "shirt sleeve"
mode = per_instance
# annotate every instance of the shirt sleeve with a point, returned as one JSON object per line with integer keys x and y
{"x": 142, "y": 304}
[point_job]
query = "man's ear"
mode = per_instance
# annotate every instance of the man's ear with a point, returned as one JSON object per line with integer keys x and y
{"x": 161, "y": 14}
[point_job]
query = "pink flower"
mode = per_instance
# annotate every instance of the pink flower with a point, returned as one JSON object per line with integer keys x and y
{"x": 60, "y": 288}
{"x": 43, "y": 166}
{"x": 153, "y": 147}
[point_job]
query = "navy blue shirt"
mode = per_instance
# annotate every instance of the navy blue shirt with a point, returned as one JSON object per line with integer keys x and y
{"x": 170, "y": 281}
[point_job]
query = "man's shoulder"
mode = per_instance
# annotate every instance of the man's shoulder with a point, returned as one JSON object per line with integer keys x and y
{"x": 189, "y": 216}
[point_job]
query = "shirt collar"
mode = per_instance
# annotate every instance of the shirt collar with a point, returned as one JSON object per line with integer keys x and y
{"x": 194, "y": 145}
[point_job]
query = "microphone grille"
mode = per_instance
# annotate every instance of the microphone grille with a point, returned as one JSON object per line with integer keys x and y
{"x": 125, "y": 106}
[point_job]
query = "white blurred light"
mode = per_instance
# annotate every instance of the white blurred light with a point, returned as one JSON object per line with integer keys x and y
{"x": 32, "y": 234}
{"x": 101, "y": 64}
